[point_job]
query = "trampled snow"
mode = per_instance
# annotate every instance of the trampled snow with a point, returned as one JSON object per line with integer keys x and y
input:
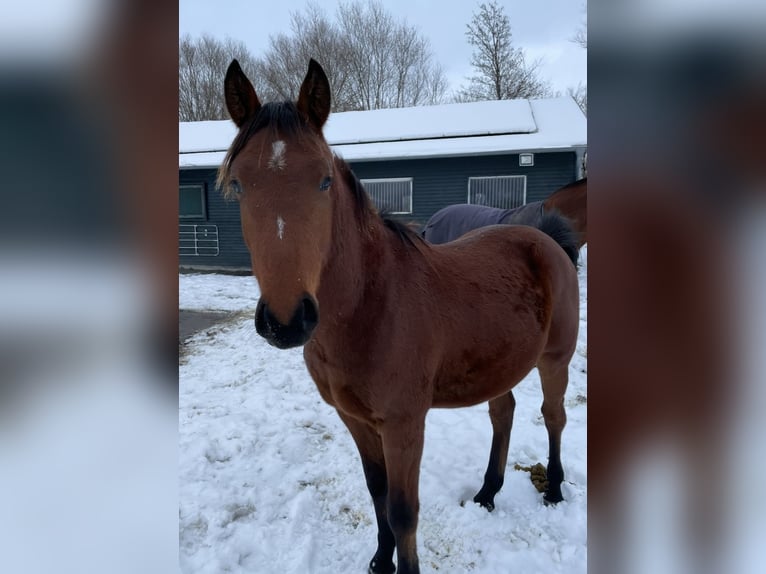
{"x": 270, "y": 480}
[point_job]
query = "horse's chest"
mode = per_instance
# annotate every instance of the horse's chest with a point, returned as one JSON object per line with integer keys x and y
{"x": 348, "y": 396}
{"x": 352, "y": 400}
{"x": 337, "y": 386}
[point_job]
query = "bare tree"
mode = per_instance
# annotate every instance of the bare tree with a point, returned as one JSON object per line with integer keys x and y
{"x": 283, "y": 67}
{"x": 581, "y": 34}
{"x": 372, "y": 60}
{"x": 580, "y": 95}
{"x": 501, "y": 70}
{"x": 417, "y": 79}
{"x": 202, "y": 65}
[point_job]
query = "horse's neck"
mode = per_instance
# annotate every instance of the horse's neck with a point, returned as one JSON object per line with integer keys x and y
{"x": 356, "y": 260}
{"x": 569, "y": 198}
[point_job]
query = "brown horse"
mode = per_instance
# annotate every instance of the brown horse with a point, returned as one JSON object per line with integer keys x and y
{"x": 391, "y": 325}
{"x": 571, "y": 202}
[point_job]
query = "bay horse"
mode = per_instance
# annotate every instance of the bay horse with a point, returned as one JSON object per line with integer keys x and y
{"x": 451, "y": 222}
{"x": 392, "y": 326}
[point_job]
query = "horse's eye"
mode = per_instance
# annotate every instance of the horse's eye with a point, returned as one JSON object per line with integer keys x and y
{"x": 236, "y": 187}
{"x": 325, "y": 185}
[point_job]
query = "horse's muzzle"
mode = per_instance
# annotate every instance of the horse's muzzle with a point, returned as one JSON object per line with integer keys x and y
{"x": 293, "y": 334}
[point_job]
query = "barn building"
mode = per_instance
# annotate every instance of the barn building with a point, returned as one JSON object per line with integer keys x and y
{"x": 412, "y": 161}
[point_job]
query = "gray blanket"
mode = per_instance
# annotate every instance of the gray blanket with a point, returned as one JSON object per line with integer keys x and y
{"x": 455, "y": 220}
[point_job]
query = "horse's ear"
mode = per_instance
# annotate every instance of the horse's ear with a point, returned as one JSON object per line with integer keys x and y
{"x": 314, "y": 99}
{"x": 241, "y": 100}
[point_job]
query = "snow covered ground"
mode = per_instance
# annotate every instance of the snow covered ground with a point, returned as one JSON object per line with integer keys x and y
{"x": 270, "y": 480}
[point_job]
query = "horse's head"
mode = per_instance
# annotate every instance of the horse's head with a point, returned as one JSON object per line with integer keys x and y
{"x": 280, "y": 169}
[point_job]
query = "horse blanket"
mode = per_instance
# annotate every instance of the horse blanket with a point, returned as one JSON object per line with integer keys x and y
{"x": 455, "y": 220}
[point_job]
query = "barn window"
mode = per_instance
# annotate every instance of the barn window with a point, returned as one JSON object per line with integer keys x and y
{"x": 505, "y": 191}
{"x": 191, "y": 201}
{"x": 392, "y": 195}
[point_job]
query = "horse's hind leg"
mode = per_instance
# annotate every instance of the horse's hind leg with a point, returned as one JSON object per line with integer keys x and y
{"x": 501, "y": 414}
{"x": 370, "y": 448}
{"x": 554, "y": 375}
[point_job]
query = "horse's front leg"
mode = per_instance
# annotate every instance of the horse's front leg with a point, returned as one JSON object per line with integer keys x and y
{"x": 403, "y": 448}
{"x": 370, "y": 447}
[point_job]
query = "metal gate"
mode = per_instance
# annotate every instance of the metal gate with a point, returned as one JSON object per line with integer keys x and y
{"x": 196, "y": 240}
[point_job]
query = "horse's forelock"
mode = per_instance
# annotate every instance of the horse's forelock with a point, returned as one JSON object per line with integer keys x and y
{"x": 280, "y": 117}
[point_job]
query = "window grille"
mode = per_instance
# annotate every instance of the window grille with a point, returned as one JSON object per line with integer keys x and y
{"x": 392, "y": 195}
{"x": 505, "y": 191}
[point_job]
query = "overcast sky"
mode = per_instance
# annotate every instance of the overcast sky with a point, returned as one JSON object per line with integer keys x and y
{"x": 543, "y": 28}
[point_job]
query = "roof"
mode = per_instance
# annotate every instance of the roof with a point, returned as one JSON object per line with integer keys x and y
{"x": 446, "y": 130}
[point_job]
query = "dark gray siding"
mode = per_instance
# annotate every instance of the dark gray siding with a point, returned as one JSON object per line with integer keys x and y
{"x": 232, "y": 252}
{"x": 436, "y": 183}
{"x": 443, "y": 181}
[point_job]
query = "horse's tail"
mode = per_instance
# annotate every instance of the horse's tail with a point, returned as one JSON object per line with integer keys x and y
{"x": 558, "y": 227}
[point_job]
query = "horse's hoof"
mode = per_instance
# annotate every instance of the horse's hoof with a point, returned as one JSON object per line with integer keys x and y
{"x": 379, "y": 567}
{"x": 489, "y": 504}
{"x": 552, "y": 499}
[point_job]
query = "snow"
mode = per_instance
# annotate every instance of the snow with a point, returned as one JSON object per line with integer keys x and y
{"x": 213, "y": 135}
{"x": 446, "y": 130}
{"x": 270, "y": 480}
{"x": 440, "y": 121}
{"x": 213, "y": 292}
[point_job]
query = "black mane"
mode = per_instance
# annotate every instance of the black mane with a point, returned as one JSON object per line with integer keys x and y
{"x": 405, "y": 232}
{"x": 361, "y": 199}
{"x": 363, "y": 203}
{"x": 282, "y": 117}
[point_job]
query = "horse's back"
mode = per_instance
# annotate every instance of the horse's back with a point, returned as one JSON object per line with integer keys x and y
{"x": 504, "y": 239}
{"x": 525, "y": 254}
{"x": 513, "y": 258}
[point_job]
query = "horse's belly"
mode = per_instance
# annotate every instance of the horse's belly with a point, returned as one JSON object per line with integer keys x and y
{"x": 478, "y": 383}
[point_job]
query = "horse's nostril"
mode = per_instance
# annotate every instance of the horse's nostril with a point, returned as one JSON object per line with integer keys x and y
{"x": 310, "y": 314}
{"x": 296, "y": 332}
{"x": 262, "y": 317}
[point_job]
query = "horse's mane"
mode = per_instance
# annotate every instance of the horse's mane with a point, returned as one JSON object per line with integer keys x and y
{"x": 406, "y": 234}
{"x": 361, "y": 199}
{"x": 404, "y": 230}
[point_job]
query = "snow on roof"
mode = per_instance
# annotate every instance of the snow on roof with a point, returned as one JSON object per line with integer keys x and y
{"x": 447, "y": 130}
{"x": 426, "y": 122}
